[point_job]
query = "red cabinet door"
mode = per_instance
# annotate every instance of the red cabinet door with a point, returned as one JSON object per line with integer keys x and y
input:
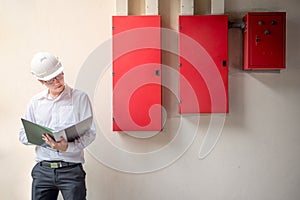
{"x": 136, "y": 73}
{"x": 203, "y": 52}
{"x": 264, "y": 40}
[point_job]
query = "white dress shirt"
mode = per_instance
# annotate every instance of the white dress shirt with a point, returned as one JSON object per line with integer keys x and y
{"x": 70, "y": 107}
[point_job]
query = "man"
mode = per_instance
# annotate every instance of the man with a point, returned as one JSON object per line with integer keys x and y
{"x": 58, "y": 168}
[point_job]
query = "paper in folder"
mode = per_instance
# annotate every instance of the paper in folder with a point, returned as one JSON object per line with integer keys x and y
{"x": 35, "y": 131}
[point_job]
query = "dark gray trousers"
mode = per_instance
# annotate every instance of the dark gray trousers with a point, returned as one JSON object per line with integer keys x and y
{"x": 47, "y": 182}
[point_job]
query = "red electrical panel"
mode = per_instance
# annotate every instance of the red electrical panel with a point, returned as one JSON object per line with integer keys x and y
{"x": 136, "y": 73}
{"x": 203, "y": 53}
{"x": 265, "y": 41}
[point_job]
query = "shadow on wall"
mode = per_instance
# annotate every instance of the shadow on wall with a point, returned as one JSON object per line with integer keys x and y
{"x": 235, "y": 49}
{"x": 292, "y": 43}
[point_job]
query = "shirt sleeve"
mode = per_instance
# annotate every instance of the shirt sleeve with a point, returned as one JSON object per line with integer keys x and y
{"x": 90, "y": 135}
{"x": 83, "y": 141}
{"x": 30, "y": 117}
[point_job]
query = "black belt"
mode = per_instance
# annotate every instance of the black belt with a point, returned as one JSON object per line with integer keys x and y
{"x": 57, "y": 164}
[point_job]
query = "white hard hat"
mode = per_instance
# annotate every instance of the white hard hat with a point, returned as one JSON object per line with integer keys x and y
{"x": 45, "y": 66}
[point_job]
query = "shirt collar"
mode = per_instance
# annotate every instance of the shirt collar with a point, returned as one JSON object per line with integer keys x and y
{"x": 67, "y": 91}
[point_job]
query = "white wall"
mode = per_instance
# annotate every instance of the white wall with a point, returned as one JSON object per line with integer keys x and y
{"x": 257, "y": 156}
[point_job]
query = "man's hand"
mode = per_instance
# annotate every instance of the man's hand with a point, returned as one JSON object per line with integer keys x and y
{"x": 61, "y": 145}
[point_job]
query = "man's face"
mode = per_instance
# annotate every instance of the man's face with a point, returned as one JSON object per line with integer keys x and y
{"x": 56, "y": 84}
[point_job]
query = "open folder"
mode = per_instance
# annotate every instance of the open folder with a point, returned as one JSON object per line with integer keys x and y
{"x": 35, "y": 131}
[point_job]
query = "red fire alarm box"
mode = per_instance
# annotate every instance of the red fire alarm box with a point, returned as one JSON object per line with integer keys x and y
{"x": 265, "y": 41}
{"x": 203, "y": 54}
{"x": 136, "y": 73}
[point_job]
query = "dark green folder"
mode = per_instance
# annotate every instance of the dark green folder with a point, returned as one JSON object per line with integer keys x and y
{"x": 35, "y": 131}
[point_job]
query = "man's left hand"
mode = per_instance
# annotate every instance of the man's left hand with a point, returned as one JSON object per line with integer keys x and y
{"x": 61, "y": 145}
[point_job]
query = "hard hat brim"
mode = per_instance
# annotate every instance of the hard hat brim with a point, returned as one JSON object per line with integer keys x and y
{"x": 54, "y": 74}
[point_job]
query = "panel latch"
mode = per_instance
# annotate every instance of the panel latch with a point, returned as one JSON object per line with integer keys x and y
{"x": 157, "y": 73}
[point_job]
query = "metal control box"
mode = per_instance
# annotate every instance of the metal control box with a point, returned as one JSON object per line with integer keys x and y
{"x": 265, "y": 41}
{"x": 203, "y": 68}
{"x": 136, "y": 73}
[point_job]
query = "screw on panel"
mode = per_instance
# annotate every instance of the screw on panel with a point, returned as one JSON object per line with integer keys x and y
{"x": 157, "y": 72}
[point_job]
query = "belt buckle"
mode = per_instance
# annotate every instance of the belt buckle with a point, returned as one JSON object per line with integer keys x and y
{"x": 54, "y": 165}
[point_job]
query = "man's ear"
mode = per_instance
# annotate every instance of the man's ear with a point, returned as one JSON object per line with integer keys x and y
{"x": 42, "y": 82}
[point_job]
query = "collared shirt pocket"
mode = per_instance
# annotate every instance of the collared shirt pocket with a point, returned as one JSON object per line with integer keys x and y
{"x": 66, "y": 115}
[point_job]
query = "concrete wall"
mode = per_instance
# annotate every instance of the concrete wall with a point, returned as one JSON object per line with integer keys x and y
{"x": 256, "y": 156}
